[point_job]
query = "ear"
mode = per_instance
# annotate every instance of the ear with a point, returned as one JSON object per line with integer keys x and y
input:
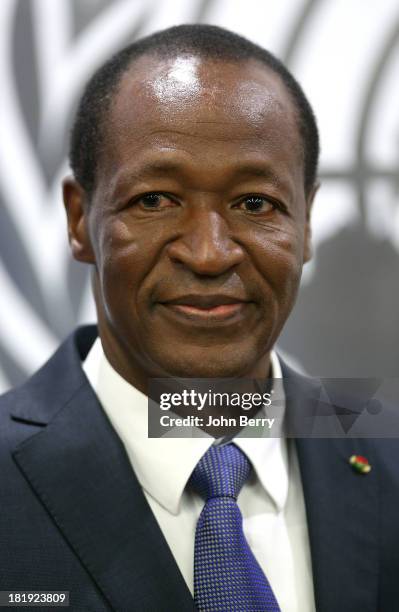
{"x": 75, "y": 202}
{"x": 307, "y": 248}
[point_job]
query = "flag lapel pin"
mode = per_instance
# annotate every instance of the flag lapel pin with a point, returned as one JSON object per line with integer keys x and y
{"x": 360, "y": 464}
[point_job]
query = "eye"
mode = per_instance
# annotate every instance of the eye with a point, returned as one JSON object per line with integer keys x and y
{"x": 257, "y": 204}
{"x": 154, "y": 201}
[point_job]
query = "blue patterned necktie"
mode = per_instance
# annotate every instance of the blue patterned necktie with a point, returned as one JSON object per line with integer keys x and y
{"x": 227, "y": 576}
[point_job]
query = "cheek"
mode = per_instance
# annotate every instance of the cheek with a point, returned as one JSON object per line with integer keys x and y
{"x": 129, "y": 255}
{"x": 277, "y": 255}
{"x": 121, "y": 259}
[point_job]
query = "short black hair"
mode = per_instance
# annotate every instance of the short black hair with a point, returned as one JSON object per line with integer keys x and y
{"x": 207, "y": 41}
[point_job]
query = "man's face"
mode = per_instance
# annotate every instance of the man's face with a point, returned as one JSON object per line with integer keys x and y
{"x": 198, "y": 223}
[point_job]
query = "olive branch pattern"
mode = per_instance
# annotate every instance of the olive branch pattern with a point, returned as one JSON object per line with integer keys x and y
{"x": 49, "y": 48}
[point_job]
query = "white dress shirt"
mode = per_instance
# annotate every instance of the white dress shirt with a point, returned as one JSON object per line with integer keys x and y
{"x": 271, "y": 501}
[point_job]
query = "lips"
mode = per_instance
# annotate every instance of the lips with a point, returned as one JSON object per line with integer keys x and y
{"x": 210, "y": 308}
{"x": 205, "y": 301}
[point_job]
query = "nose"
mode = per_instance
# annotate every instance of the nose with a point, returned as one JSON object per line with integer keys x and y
{"x": 205, "y": 245}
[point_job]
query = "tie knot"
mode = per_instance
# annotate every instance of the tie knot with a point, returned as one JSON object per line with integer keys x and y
{"x": 221, "y": 472}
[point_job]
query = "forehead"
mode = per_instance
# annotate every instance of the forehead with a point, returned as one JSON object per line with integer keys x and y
{"x": 204, "y": 108}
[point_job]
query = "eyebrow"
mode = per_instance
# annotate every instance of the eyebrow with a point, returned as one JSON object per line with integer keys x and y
{"x": 149, "y": 169}
{"x": 166, "y": 167}
{"x": 257, "y": 171}
{"x": 162, "y": 167}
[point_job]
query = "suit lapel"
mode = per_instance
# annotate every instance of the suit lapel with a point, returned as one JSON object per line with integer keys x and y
{"x": 342, "y": 509}
{"x": 342, "y": 506}
{"x": 79, "y": 469}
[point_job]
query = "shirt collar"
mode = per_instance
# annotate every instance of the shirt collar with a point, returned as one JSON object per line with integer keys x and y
{"x": 269, "y": 456}
{"x": 164, "y": 465}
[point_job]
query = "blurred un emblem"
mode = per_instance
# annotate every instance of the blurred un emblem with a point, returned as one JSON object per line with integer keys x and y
{"x": 49, "y": 48}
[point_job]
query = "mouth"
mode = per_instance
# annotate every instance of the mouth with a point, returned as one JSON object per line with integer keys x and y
{"x": 207, "y": 308}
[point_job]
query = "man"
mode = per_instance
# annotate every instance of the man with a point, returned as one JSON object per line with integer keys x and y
{"x": 194, "y": 157}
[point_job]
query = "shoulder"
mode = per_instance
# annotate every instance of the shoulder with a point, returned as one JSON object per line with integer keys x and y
{"x": 33, "y": 403}
{"x": 349, "y": 409}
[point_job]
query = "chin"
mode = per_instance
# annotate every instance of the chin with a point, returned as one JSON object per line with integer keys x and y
{"x": 214, "y": 371}
{"x": 210, "y": 366}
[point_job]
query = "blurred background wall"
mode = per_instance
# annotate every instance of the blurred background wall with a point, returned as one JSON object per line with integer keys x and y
{"x": 345, "y": 53}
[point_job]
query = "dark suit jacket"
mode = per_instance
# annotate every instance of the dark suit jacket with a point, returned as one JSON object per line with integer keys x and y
{"x": 73, "y": 516}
